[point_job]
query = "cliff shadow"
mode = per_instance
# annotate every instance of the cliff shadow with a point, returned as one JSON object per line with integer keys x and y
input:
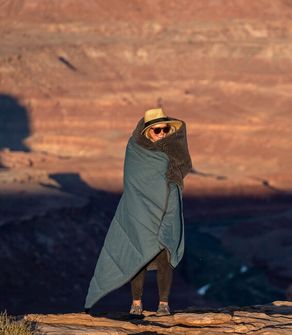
{"x": 48, "y": 259}
{"x": 14, "y": 124}
{"x": 72, "y": 183}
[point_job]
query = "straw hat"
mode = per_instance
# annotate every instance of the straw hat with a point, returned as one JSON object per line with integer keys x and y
{"x": 154, "y": 116}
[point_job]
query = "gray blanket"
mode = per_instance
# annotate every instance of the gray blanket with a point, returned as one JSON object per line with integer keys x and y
{"x": 148, "y": 218}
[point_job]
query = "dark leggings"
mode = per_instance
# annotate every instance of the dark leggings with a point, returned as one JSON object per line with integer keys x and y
{"x": 164, "y": 278}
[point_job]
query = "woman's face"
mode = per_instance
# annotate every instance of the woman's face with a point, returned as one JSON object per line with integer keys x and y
{"x": 152, "y": 132}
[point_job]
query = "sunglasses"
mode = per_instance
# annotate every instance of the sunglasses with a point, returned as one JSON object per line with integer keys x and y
{"x": 157, "y": 130}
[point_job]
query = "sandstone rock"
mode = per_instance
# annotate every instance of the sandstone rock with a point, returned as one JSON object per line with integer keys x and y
{"x": 79, "y": 80}
{"x": 260, "y": 319}
{"x": 191, "y": 319}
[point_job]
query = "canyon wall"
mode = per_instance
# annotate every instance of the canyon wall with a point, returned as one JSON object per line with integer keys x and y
{"x": 83, "y": 75}
{"x": 75, "y": 78}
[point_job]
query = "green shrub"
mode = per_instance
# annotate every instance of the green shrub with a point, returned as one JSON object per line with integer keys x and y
{"x": 11, "y": 326}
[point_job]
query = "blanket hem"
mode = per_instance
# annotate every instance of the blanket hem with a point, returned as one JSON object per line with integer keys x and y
{"x": 124, "y": 282}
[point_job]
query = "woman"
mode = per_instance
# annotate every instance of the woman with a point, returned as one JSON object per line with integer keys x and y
{"x": 147, "y": 230}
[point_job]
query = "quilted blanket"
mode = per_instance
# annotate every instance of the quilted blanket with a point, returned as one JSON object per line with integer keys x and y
{"x": 148, "y": 218}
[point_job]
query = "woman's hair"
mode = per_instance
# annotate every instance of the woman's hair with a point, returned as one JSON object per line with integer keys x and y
{"x": 172, "y": 130}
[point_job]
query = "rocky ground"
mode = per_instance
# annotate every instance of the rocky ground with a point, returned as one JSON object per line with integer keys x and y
{"x": 272, "y": 319}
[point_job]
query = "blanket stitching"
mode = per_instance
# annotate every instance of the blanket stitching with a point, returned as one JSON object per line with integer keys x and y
{"x": 148, "y": 198}
{"x": 114, "y": 260}
{"x": 142, "y": 223}
{"x": 136, "y": 148}
{"x": 126, "y": 281}
{"x": 127, "y": 236}
{"x": 96, "y": 283}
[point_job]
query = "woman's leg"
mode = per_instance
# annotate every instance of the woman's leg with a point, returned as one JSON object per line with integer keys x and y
{"x": 164, "y": 276}
{"x": 137, "y": 283}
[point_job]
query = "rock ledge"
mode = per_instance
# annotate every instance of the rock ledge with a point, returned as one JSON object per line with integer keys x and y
{"x": 274, "y": 318}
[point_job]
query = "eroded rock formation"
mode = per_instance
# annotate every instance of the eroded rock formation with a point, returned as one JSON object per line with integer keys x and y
{"x": 75, "y": 77}
{"x": 86, "y": 73}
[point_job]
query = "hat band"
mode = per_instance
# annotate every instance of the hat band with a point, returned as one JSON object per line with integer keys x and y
{"x": 156, "y": 121}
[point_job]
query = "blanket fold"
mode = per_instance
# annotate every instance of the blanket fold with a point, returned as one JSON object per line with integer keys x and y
{"x": 176, "y": 148}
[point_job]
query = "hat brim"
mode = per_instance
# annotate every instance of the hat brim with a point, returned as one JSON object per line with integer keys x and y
{"x": 176, "y": 123}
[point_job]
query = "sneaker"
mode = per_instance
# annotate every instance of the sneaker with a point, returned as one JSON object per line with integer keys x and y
{"x": 136, "y": 309}
{"x": 163, "y": 309}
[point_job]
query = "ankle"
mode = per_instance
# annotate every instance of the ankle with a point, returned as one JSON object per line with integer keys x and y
{"x": 136, "y": 302}
{"x": 163, "y": 302}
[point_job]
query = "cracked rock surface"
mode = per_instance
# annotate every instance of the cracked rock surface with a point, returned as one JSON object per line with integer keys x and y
{"x": 270, "y": 319}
